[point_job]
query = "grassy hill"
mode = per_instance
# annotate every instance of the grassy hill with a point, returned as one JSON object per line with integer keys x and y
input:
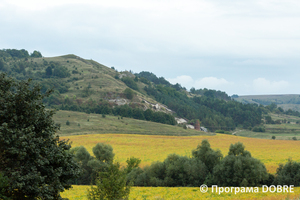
{"x": 285, "y": 101}
{"x": 82, "y": 124}
{"x": 85, "y": 74}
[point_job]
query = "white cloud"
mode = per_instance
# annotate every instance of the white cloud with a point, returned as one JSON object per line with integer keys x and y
{"x": 206, "y": 82}
{"x": 183, "y": 80}
{"x": 264, "y": 86}
{"x": 212, "y": 83}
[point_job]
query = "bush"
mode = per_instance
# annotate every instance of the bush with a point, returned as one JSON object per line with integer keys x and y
{"x": 288, "y": 174}
{"x": 239, "y": 169}
{"x": 68, "y": 123}
{"x": 273, "y": 137}
{"x": 294, "y": 138}
{"x": 219, "y": 131}
{"x": 128, "y": 93}
{"x": 130, "y": 83}
{"x": 207, "y": 155}
{"x": 258, "y": 129}
{"x": 110, "y": 184}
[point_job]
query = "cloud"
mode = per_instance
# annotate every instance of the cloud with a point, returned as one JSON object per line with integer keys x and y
{"x": 206, "y": 82}
{"x": 183, "y": 80}
{"x": 264, "y": 86}
{"x": 212, "y": 83}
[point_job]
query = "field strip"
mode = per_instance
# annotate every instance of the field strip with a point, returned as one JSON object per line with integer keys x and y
{"x": 150, "y": 148}
{"x": 78, "y": 192}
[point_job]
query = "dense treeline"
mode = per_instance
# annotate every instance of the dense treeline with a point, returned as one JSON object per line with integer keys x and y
{"x": 214, "y": 113}
{"x": 123, "y": 111}
{"x": 211, "y": 93}
{"x": 14, "y": 53}
{"x": 278, "y": 110}
{"x": 206, "y": 166}
{"x": 152, "y": 78}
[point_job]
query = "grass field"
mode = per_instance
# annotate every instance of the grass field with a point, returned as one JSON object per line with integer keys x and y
{"x": 150, "y": 148}
{"x": 183, "y": 193}
{"x": 82, "y": 124}
{"x": 284, "y": 131}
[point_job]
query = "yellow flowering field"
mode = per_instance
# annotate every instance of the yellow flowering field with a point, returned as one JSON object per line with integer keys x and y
{"x": 183, "y": 193}
{"x": 150, "y": 148}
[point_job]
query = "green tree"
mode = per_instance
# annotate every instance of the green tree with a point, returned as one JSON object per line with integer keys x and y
{"x": 130, "y": 83}
{"x": 239, "y": 169}
{"x": 103, "y": 152}
{"x": 132, "y": 163}
{"x": 288, "y": 174}
{"x": 33, "y": 158}
{"x": 61, "y": 72}
{"x": 128, "y": 93}
{"x": 3, "y": 187}
{"x": 36, "y": 54}
{"x": 207, "y": 155}
{"x": 48, "y": 71}
{"x": 1, "y": 64}
{"x": 110, "y": 184}
{"x": 82, "y": 157}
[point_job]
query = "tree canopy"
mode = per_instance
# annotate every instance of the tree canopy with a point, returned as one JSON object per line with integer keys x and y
{"x": 35, "y": 161}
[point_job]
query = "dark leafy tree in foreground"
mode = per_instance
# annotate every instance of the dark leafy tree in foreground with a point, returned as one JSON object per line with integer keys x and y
{"x": 36, "y": 163}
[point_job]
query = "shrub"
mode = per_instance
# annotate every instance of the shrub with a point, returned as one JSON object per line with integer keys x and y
{"x": 294, "y": 138}
{"x": 288, "y": 174}
{"x": 68, "y": 123}
{"x": 110, "y": 184}
{"x": 258, "y": 129}
{"x": 130, "y": 83}
{"x": 207, "y": 155}
{"x": 128, "y": 93}
{"x": 219, "y": 131}
{"x": 239, "y": 169}
{"x": 273, "y": 137}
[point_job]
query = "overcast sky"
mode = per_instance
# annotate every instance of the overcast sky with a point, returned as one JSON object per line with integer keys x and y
{"x": 240, "y": 47}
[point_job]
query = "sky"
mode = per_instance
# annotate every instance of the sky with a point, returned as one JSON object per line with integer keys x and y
{"x": 248, "y": 47}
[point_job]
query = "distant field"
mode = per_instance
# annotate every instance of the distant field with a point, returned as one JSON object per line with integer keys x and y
{"x": 150, "y": 148}
{"x": 285, "y": 131}
{"x": 287, "y": 101}
{"x": 82, "y": 124}
{"x": 182, "y": 193}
